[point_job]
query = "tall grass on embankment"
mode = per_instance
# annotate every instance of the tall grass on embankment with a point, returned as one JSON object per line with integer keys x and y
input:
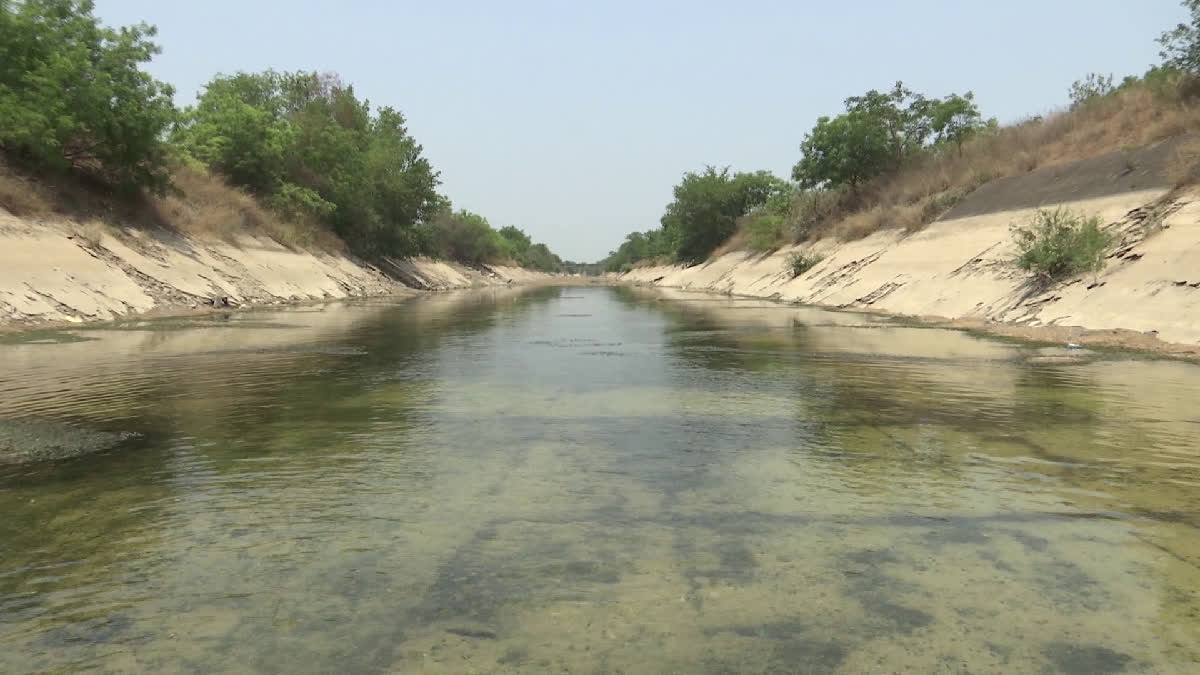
{"x": 932, "y": 182}
{"x": 199, "y": 205}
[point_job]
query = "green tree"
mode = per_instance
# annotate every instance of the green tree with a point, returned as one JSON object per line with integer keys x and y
{"x": 466, "y": 237}
{"x": 1181, "y": 45}
{"x": 903, "y": 114}
{"x": 469, "y": 238}
{"x": 311, "y": 149}
{"x": 401, "y": 184}
{"x": 843, "y": 150}
{"x": 638, "y": 246}
{"x": 73, "y": 95}
{"x": 539, "y": 257}
{"x": 237, "y": 131}
{"x": 759, "y": 188}
{"x": 878, "y": 133}
{"x": 707, "y": 205}
{"x": 1092, "y": 87}
{"x": 520, "y": 241}
{"x": 955, "y": 118}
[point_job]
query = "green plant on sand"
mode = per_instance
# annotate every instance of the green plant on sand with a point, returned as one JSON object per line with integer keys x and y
{"x": 1059, "y": 244}
{"x": 802, "y": 261}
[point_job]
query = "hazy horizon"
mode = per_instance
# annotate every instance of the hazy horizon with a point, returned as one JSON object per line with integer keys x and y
{"x": 574, "y": 122}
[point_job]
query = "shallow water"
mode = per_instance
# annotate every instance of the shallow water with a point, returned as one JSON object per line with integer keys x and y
{"x": 596, "y": 480}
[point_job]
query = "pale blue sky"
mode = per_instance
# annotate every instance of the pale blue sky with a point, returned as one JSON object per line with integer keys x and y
{"x": 573, "y": 120}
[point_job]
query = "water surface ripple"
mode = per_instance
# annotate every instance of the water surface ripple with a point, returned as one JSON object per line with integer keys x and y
{"x": 594, "y": 480}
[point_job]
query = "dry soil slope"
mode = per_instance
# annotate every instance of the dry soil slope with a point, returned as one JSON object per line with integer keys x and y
{"x": 960, "y": 267}
{"x": 63, "y": 273}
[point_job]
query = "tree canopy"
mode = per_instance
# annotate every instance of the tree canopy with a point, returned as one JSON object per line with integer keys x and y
{"x": 468, "y": 237}
{"x": 73, "y": 95}
{"x": 707, "y": 205}
{"x": 1181, "y": 45}
{"x": 879, "y": 133}
{"x": 638, "y": 246}
{"x": 955, "y": 118}
{"x": 843, "y": 150}
{"x": 309, "y": 147}
{"x": 903, "y": 115}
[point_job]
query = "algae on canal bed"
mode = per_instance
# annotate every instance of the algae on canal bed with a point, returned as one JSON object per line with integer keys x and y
{"x": 597, "y": 480}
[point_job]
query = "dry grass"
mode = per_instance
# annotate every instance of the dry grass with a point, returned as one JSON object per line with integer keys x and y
{"x": 1132, "y": 118}
{"x": 861, "y": 223}
{"x": 202, "y": 206}
{"x": 922, "y": 192}
{"x": 90, "y": 233}
{"x": 1184, "y": 166}
{"x": 206, "y": 207}
{"x": 739, "y": 241}
{"x": 22, "y": 196}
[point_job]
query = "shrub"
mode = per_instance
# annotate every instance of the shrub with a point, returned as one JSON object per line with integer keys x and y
{"x": 299, "y": 203}
{"x": 1058, "y": 244}
{"x": 73, "y": 97}
{"x": 307, "y": 146}
{"x": 766, "y": 232}
{"x": 639, "y": 246}
{"x": 780, "y": 203}
{"x": 803, "y": 261}
{"x": 1092, "y": 87}
{"x": 707, "y": 207}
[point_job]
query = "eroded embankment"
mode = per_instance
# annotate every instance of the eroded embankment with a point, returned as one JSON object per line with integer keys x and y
{"x": 960, "y": 269}
{"x": 61, "y": 273}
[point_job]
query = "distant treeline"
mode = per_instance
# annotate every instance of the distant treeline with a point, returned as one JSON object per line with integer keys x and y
{"x": 898, "y": 158}
{"x": 74, "y": 101}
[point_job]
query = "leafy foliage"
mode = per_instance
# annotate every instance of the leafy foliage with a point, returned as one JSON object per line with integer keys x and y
{"x": 540, "y": 257}
{"x": 638, "y": 246}
{"x": 1059, "y": 244}
{"x": 766, "y": 231}
{"x": 1181, "y": 45}
{"x": 879, "y": 133}
{"x": 310, "y": 148}
{"x": 1090, "y": 88}
{"x": 902, "y": 114}
{"x": 522, "y": 250}
{"x": 516, "y": 237}
{"x": 955, "y": 118}
{"x": 469, "y": 238}
{"x": 74, "y": 98}
{"x": 843, "y": 150}
{"x": 884, "y": 161}
{"x": 466, "y": 237}
{"x": 707, "y": 206}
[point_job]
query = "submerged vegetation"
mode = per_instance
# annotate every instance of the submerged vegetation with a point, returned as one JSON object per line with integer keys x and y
{"x": 296, "y": 156}
{"x": 900, "y": 159}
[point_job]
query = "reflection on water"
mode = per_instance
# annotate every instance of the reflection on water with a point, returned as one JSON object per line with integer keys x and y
{"x": 593, "y": 480}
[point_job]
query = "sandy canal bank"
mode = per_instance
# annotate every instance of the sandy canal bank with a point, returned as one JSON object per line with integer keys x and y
{"x": 62, "y": 273}
{"x": 959, "y": 271}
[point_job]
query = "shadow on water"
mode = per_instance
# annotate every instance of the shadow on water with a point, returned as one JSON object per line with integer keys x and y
{"x": 595, "y": 480}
